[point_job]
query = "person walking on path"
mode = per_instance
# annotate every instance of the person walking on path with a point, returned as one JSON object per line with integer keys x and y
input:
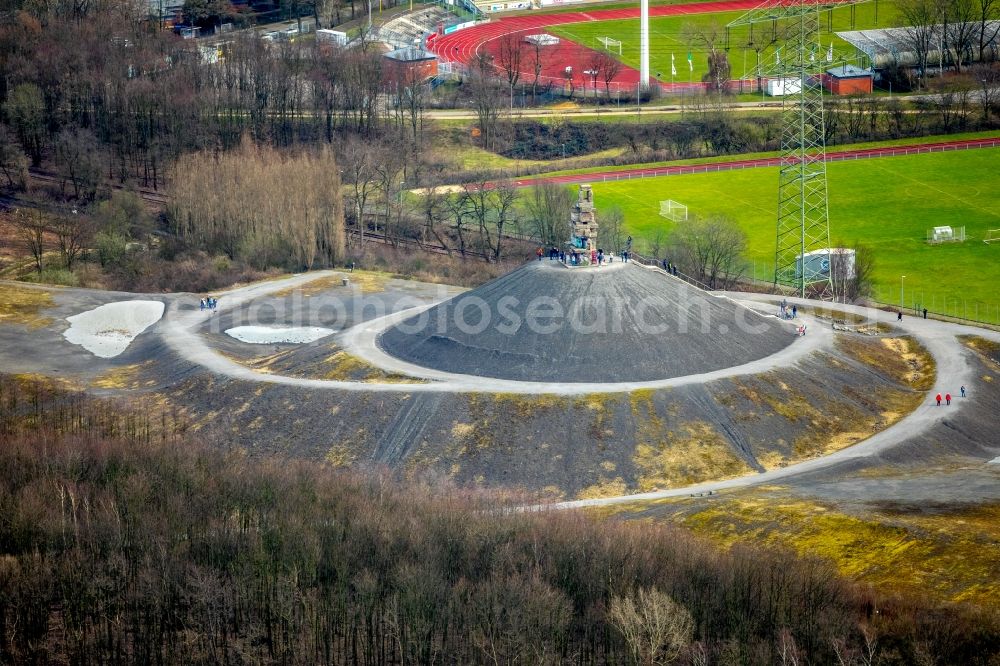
{"x": 925, "y": 313}
{"x": 938, "y": 399}
{"x": 539, "y": 253}
{"x": 947, "y": 398}
{"x": 963, "y": 390}
{"x": 795, "y": 311}
{"x": 899, "y": 316}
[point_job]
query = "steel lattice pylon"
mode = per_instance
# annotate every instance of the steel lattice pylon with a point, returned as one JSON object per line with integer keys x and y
{"x": 803, "y": 205}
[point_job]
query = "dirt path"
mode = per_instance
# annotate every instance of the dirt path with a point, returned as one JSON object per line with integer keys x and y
{"x": 953, "y": 371}
{"x": 179, "y": 331}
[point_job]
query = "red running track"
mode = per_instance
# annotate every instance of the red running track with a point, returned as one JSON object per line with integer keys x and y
{"x": 462, "y": 46}
{"x": 835, "y": 156}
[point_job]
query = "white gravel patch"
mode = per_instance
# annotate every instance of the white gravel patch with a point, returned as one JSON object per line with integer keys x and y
{"x": 108, "y": 330}
{"x": 995, "y": 461}
{"x": 270, "y": 335}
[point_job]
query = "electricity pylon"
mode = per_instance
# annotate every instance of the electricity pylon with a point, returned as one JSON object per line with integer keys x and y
{"x": 803, "y": 203}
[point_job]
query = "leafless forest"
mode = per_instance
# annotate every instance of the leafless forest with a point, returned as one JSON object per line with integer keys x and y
{"x": 126, "y": 539}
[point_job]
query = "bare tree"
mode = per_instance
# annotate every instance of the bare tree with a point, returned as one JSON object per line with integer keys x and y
{"x": 510, "y": 56}
{"x": 549, "y": 207}
{"x": 486, "y": 97}
{"x": 612, "y": 229}
{"x": 594, "y": 68}
{"x": 711, "y": 250}
{"x": 73, "y": 234}
{"x": 962, "y": 29}
{"x": 360, "y": 158}
{"x": 851, "y": 271}
{"x": 988, "y": 11}
{"x": 537, "y": 56}
{"x": 989, "y": 88}
{"x": 78, "y": 159}
{"x": 921, "y": 17}
{"x": 655, "y": 627}
{"x": 433, "y": 208}
{"x": 31, "y": 228}
{"x": 13, "y": 161}
{"x": 505, "y": 196}
{"x": 610, "y": 67}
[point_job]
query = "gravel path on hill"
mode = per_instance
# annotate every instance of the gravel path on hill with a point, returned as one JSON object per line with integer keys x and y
{"x": 953, "y": 371}
{"x": 179, "y": 332}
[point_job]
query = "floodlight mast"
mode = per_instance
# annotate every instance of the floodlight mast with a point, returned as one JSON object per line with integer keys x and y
{"x": 644, "y": 44}
{"x": 803, "y": 204}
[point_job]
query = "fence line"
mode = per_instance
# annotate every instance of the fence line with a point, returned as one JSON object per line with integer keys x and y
{"x": 656, "y": 172}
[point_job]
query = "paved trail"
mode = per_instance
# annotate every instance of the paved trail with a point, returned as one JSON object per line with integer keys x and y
{"x": 940, "y": 338}
{"x": 953, "y": 371}
{"x": 179, "y": 331}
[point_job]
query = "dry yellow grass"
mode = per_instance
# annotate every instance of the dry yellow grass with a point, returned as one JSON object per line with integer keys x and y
{"x": 368, "y": 282}
{"x": 700, "y": 454}
{"x": 604, "y": 488}
{"x": 901, "y": 359}
{"x": 23, "y": 305}
{"x": 950, "y": 555}
{"x": 124, "y": 377}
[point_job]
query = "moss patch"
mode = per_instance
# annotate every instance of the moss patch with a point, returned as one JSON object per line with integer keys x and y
{"x": 949, "y": 554}
{"x": 699, "y": 454}
{"x": 124, "y": 377}
{"x": 367, "y": 281}
{"x": 20, "y": 305}
{"x": 902, "y": 359}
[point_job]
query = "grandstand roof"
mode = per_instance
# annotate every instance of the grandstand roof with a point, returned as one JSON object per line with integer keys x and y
{"x": 893, "y": 42}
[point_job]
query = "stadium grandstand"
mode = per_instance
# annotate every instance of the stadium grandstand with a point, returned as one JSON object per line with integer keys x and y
{"x": 893, "y": 47}
{"x": 411, "y": 29}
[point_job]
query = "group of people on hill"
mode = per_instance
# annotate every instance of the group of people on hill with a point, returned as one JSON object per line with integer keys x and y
{"x": 785, "y": 312}
{"x": 209, "y": 303}
{"x": 670, "y": 268}
{"x": 577, "y": 257}
{"x": 947, "y": 397}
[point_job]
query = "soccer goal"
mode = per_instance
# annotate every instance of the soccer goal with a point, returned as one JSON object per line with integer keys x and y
{"x": 946, "y": 235}
{"x": 992, "y": 236}
{"x": 611, "y": 44}
{"x": 677, "y": 212}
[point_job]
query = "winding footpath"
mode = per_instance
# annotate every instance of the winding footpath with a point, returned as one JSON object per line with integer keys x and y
{"x": 179, "y": 331}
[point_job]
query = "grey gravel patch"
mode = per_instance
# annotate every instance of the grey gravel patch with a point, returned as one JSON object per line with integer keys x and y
{"x": 620, "y": 323}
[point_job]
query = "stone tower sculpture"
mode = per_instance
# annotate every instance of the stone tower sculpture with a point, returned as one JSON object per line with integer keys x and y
{"x": 583, "y": 220}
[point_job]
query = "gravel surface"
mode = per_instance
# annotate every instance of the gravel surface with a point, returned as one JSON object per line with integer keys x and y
{"x": 544, "y": 322}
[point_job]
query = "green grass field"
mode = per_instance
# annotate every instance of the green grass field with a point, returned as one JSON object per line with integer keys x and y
{"x": 887, "y": 204}
{"x": 668, "y": 37}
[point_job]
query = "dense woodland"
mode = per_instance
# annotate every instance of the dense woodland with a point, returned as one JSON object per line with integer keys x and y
{"x": 124, "y": 537}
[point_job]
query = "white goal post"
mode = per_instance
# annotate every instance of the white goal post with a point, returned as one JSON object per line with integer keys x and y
{"x": 677, "y": 212}
{"x": 611, "y": 44}
{"x": 946, "y": 235}
{"x": 992, "y": 236}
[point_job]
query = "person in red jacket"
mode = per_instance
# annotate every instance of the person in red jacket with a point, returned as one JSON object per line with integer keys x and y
{"x": 939, "y": 399}
{"x": 947, "y": 398}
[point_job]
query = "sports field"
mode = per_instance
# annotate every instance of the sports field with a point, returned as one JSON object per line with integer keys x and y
{"x": 669, "y": 36}
{"x": 886, "y": 203}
